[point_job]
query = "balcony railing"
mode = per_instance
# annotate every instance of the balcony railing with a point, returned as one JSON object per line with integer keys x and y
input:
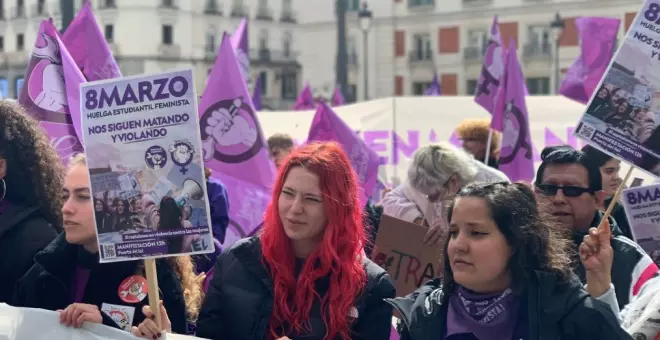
{"x": 172, "y": 4}
{"x": 264, "y": 14}
{"x": 39, "y": 10}
{"x": 288, "y": 16}
{"x": 477, "y": 2}
{"x": 420, "y": 4}
{"x": 169, "y": 51}
{"x": 535, "y": 50}
{"x": 108, "y": 4}
{"x": 238, "y": 11}
{"x": 418, "y": 56}
{"x": 18, "y": 12}
{"x": 474, "y": 53}
{"x": 270, "y": 55}
{"x": 213, "y": 8}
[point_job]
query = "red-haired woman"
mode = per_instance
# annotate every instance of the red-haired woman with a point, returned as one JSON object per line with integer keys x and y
{"x": 304, "y": 276}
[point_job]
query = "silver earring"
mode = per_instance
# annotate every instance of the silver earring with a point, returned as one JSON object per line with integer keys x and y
{"x": 4, "y": 189}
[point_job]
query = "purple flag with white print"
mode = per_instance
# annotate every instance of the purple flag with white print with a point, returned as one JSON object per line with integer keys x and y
{"x": 434, "y": 89}
{"x": 491, "y": 71}
{"x": 241, "y": 45}
{"x": 598, "y": 42}
{"x": 327, "y": 126}
{"x": 512, "y": 120}
{"x": 44, "y": 92}
{"x": 305, "y": 99}
{"x": 234, "y": 146}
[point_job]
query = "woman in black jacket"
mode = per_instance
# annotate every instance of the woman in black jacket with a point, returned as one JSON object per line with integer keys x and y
{"x": 305, "y": 276}
{"x": 30, "y": 194}
{"x": 507, "y": 276}
{"x": 68, "y": 277}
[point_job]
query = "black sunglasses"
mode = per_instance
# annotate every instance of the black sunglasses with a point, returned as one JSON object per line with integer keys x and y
{"x": 569, "y": 191}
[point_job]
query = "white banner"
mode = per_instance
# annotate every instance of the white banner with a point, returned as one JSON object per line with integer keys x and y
{"x": 38, "y": 324}
{"x": 411, "y": 122}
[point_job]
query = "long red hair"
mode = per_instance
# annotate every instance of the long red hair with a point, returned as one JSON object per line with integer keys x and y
{"x": 338, "y": 256}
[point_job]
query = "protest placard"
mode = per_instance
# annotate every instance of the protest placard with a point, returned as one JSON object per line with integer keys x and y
{"x": 642, "y": 205}
{"x": 622, "y": 118}
{"x": 143, "y": 149}
{"x": 399, "y": 250}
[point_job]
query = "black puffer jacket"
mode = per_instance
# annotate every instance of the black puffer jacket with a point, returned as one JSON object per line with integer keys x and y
{"x": 556, "y": 310}
{"x": 23, "y": 233}
{"x": 48, "y": 284}
{"x": 239, "y": 302}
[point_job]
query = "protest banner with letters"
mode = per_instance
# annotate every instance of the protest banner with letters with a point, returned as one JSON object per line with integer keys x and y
{"x": 399, "y": 250}
{"x": 144, "y": 155}
{"x": 642, "y": 205}
{"x": 621, "y": 118}
{"x": 40, "y": 324}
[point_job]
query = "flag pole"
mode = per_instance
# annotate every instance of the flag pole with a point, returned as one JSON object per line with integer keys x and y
{"x": 616, "y": 196}
{"x": 394, "y": 94}
{"x": 490, "y": 140}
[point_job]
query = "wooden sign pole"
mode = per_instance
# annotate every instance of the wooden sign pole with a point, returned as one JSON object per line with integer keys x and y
{"x": 152, "y": 284}
{"x": 616, "y": 196}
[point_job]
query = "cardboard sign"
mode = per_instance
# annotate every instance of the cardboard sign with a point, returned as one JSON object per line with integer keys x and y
{"x": 400, "y": 250}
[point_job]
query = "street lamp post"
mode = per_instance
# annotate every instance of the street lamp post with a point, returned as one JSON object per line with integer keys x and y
{"x": 364, "y": 17}
{"x": 557, "y": 27}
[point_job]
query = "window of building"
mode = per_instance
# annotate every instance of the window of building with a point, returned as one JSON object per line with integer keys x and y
{"x": 20, "y": 42}
{"x": 471, "y": 86}
{"x": 353, "y": 5}
{"x": 538, "y": 85}
{"x": 422, "y": 46}
{"x": 168, "y": 32}
{"x": 263, "y": 82}
{"x": 263, "y": 39}
{"x": 109, "y": 32}
{"x": 2, "y": 43}
{"x": 289, "y": 86}
{"x": 420, "y": 87}
{"x": 286, "y": 44}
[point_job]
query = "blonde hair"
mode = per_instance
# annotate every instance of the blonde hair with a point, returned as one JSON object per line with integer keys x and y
{"x": 183, "y": 267}
{"x": 433, "y": 165}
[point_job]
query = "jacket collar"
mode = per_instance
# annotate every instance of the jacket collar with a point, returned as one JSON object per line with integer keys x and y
{"x": 578, "y": 236}
{"x": 249, "y": 253}
{"x": 424, "y": 312}
{"x": 57, "y": 258}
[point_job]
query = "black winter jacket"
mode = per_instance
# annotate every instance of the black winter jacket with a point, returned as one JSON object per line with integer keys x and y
{"x": 48, "y": 284}
{"x": 556, "y": 310}
{"x": 239, "y": 301}
{"x": 23, "y": 233}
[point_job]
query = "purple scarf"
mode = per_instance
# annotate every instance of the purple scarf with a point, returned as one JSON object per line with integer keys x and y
{"x": 79, "y": 284}
{"x": 3, "y": 206}
{"x": 488, "y": 317}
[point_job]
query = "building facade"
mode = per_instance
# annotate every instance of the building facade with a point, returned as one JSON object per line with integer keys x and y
{"x": 150, "y": 36}
{"x": 409, "y": 40}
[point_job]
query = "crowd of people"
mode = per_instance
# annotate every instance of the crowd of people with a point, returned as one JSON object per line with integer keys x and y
{"x": 519, "y": 260}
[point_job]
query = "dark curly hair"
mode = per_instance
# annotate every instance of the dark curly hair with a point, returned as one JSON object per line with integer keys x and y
{"x": 537, "y": 244}
{"x": 34, "y": 169}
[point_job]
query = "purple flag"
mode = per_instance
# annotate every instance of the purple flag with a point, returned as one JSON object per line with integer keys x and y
{"x": 327, "y": 126}
{"x": 44, "y": 92}
{"x": 240, "y": 43}
{"x": 305, "y": 99}
{"x": 234, "y": 146}
{"x": 337, "y": 97}
{"x": 88, "y": 47}
{"x": 434, "y": 89}
{"x": 511, "y": 118}
{"x": 598, "y": 42}
{"x": 256, "y": 94}
{"x": 491, "y": 71}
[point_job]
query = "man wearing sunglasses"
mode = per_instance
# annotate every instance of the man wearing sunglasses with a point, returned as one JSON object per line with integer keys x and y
{"x": 571, "y": 185}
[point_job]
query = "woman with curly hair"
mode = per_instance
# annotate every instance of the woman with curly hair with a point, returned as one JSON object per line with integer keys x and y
{"x": 30, "y": 194}
{"x": 67, "y": 276}
{"x": 305, "y": 276}
{"x": 507, "y": 276}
